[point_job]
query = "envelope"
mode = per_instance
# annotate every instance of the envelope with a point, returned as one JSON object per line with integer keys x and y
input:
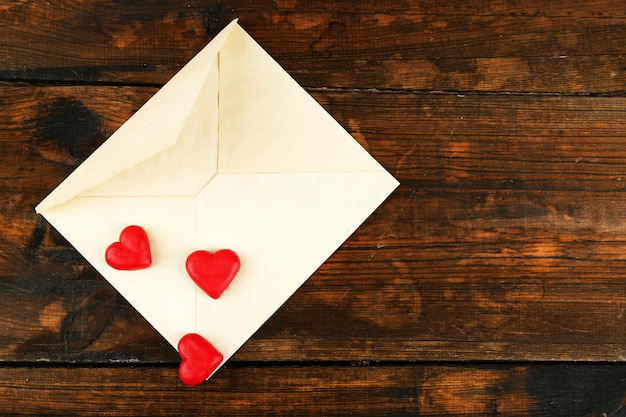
{"x": 230, "y": 153}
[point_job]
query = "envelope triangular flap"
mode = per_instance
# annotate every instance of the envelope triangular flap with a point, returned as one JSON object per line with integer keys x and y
{"x": 269, "y": 123}
{"x": 155, "y": 127}
{"x": 284, "y": 226}
{"x": 190, "y": 162}
{"x": 160, "y": 293}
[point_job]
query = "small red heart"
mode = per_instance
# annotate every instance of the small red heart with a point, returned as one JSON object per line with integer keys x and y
{"x": 131, "y": 252}
{"x": 199, "y": 359}
{"x": 213, "y": 272}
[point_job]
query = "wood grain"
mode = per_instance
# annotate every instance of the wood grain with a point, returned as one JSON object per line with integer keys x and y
{"x": 467, "y": 46}
{"x": 425, "y": 390}
{"x": 491, "y": 282}
{"x": 501, "y": 243}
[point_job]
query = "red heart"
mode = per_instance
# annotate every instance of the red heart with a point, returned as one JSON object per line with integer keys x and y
{"x": 213, "y": 272}
{"x": 199, "y": 359}
{"x": 131, "y": 252}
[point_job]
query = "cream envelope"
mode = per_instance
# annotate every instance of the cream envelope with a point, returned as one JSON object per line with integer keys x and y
{"x": 230, "y": 153}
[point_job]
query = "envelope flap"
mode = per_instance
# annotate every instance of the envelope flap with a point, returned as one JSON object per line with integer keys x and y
{"x": 152, "y": 129}
{"x": 268, "y": 123}
{"x": 283, "y": 226}
{"x": 163, "y": 295}
{"x": 188, "y": 164}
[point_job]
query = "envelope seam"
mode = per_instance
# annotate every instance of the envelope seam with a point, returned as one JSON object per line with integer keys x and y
{"x": 382, "y": 170}
{"x": 195, "y": 298}
{"x": 219, "y": 84}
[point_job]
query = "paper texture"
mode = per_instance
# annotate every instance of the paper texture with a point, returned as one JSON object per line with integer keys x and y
{"x": 230, "y": 153}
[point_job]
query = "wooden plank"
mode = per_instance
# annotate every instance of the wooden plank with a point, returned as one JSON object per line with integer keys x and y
{"x": 425, "y": 390}
{"x": 460, "y": 263}
{"x": 495, "y": 142}
{"x": 411, "y": 45}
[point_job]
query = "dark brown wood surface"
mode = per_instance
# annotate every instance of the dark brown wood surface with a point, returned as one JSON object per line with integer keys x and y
{"x": 491, "y": 282}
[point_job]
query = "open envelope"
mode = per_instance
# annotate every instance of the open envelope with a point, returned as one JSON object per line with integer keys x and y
{"x": 230, "y": 153}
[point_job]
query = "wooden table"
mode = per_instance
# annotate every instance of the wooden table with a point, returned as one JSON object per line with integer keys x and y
{"x": 491, "y": 282}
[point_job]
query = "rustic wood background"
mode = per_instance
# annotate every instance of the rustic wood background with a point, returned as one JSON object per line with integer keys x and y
{"x": 491, "y": 282}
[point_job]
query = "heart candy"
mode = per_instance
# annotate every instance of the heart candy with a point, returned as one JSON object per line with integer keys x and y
{"x": 213, "y": 272}
{"x": 131, "y": 252}
{"x": 199, "y": 359}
